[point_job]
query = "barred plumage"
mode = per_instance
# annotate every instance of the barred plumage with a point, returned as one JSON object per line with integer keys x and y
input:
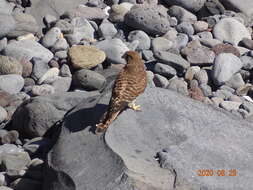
{"x": 130, "y": 83}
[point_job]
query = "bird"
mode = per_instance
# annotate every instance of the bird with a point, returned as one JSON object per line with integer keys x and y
{"x": 129, "y": 84}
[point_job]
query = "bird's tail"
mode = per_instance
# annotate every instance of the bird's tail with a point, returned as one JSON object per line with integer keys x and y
{"x": 102, "y": 126}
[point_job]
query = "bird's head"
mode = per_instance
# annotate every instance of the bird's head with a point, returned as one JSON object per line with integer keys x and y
{"x": 130, "y": 56}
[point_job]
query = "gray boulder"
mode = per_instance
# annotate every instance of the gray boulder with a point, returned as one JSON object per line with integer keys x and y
{"x": 29, "y": 118}
{"x": 27, "y": 49}
{"x": 142, "y": 37}
{"x": 126, "y": 154}
{"x": 181, "y": 14}
{"x": 150, "y": 19}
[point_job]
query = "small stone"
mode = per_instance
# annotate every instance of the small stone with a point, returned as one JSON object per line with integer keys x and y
{"x": 32, "y": 146}
{"x": 230, "y": 105}
{"x": 165, "y": 70}
{"x": 83, "y": 30}
{"x": 142, "y": 37}
{"x": 236, "y": 81}
{"x": 85, "y": 57}
{"x": 150, "y": 76}
{"x": 118, "y": 11}
{"x": 3, "y": 44}
{"x": 191, "y": 71}
{"x": 200, "y": 26}
{"x": 247, "y": 43}
{"x": 210, "y": 43}
{"x": 42, "y": 90}
{"x": 9, "y": 65}
{"x": 160, "y": 81}
{"x": 61, "y": 54}
{"x": 39, "y": 68}
{"x": 15, "y": 161}
{"x": 5, "y": 98}
{"x": 191, "y": 5}
{"x": 181, "y": 41}
{"x": 225, "y": 66}
{"x": 224, "y": 94}
{"x": 198, "y": 54}
{"x": 172, "y": 59}
{"x": 132, "y": 45}
{"x": 205, "y": 35}
{"x": 51, "y": 37}
{"x": 178, "y": 85}
{"x": 206, "y": 89}
{"x": 230, "y": 30}
{"x": 3, "y": 180}
{"x": 225, "y": 48}
{"x": 161, "y": 44}
{"x": 5, "y": 188}
{"x": 53, "y": 63}
{"x": 27, "y": 68}
{"x": 171, "y": 34}
{"x": 201, "y": 76}
{"x": 60, "y": 44}
{"x": 49, "y": 20}
{"x": 247, "y": 62}
{"x": 148, "y": 55}
{"x": 196, "y": 94}
{"x": 107, "y": 29}
{"x": 11, "y": 137}
{"x": 89, "y": 80}
{"x": 29, "y": 36}
{"x": 11, "y": 83}
{"x": 181, "y": 14}
{"x": 3, "y": 114}
{"x": 65, "y": 26}
{"x": 235, "y": 98}
{"x": 50, "y": 76}
{"x": 243, "y": 90}
{"x": 186, "y": 28}
{"x": 114, "y": 50}
{"x": 62, "y": 84}
{"x": 65, "y": 71}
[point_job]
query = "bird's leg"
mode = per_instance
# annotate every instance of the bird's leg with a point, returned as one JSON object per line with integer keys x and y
{"x": 134, "y": 107}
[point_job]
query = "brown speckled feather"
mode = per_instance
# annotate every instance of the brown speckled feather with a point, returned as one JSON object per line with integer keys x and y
{"x": 130, "y": 83}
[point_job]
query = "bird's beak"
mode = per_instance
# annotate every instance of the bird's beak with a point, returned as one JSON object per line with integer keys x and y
{"x": 124, "y": 56}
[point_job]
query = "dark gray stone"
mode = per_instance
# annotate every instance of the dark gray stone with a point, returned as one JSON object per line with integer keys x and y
{"x": 160, "y": 81}
{"x": 88, "y": 80}
{"x": 29, "y": 118}
{"x": 150, "y": 19}
{"x": 165, "y": 70}
{"x": 186, "y": 28}
{"x": 172, "y": 59}
{"x": 181, "y": 14}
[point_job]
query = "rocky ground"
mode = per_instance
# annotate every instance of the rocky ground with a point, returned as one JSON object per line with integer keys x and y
{"x": 58, "y": 61}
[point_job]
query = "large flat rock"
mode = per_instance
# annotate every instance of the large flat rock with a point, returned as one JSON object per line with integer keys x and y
{"x": 195, "y": 136}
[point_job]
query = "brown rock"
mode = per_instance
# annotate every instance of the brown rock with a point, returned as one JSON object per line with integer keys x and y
{"x": 225, "y": 48}
{"x": 27, "y": 67}
{"x": 85, "y": 57}
{"x": 5, "y": 98}
{"x": 196, "y": 94}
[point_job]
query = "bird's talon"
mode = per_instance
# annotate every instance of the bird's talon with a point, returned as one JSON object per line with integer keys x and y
{"x": 134, "y": 107}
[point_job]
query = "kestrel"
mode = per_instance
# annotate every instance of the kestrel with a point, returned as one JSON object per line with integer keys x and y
{"x": 129, "y": 84}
